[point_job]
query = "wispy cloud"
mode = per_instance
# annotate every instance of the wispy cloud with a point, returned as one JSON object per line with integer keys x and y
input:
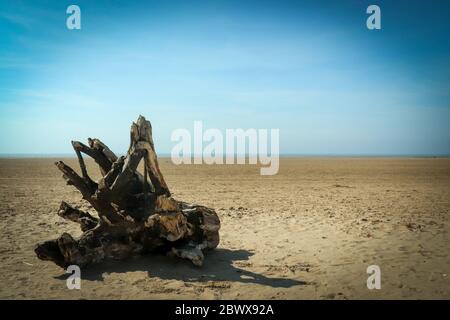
{"x": 18, "y": 19}
{"x": 56, "y": 98}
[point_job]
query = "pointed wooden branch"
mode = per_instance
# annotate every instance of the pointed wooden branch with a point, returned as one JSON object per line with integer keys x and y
{"x": 141, "y": 138}
{"x": 85, "y": 220}
{"x": 97, "y": 154}
{"x": 72, "y": 178}
{"x": 96, "y": 144}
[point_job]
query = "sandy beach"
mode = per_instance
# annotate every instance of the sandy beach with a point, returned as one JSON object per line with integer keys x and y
{"x": 309, "y": 232}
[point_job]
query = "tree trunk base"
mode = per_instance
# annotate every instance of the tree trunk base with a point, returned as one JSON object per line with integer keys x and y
{"x": 136, "y": 216}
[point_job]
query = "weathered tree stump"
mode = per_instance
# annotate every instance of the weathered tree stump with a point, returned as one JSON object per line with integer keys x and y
{"x": 136, "y": 213}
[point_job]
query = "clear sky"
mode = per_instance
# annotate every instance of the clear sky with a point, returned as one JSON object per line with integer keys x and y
{"x": 310, "y": 68}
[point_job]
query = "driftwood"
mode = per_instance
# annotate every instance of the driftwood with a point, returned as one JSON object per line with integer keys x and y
{"x": 136, "y": 213}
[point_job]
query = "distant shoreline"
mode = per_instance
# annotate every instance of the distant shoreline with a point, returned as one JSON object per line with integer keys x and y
{"x": 164, "y": 156}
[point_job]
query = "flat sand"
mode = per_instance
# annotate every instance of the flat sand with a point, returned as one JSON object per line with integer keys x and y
{"x": 309, "y": 232}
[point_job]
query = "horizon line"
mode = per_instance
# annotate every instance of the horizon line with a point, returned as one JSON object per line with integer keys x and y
{"x": 282, "y": 155}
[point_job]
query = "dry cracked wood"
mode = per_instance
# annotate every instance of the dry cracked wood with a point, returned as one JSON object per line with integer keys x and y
{"x": 136, "y": 213}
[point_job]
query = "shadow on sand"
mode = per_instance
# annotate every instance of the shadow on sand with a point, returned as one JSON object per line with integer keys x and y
{"x": 218, "y": 266}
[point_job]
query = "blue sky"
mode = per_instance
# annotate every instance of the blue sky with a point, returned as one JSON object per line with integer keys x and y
{"x": 310, "y": 68}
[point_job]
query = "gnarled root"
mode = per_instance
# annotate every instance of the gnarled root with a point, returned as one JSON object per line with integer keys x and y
{"x": 136, "y": 213}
